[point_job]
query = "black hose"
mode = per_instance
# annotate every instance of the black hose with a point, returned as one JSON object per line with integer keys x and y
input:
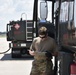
{"x": 5, "y": 51}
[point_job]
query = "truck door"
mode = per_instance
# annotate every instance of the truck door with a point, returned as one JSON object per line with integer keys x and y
{"x": 67, "y": 24}
{"x": 66, "y": 36}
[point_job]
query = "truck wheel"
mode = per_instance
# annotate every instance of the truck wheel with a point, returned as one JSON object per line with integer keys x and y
{"x": 15, "y": 53}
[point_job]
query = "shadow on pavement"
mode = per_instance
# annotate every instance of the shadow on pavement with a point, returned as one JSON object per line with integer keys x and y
{"x": 8, "y": 57}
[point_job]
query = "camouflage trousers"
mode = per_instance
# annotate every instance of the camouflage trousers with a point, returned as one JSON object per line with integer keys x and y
{"x": 42, "y": 67}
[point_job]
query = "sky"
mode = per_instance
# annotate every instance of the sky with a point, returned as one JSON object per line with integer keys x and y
{"x": 12, "y": 10}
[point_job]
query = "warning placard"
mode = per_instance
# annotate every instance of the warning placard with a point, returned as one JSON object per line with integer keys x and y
{"x": 17, "y": 26}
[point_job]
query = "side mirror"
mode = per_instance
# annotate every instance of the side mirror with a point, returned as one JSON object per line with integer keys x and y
{"x": 43, "y": 10}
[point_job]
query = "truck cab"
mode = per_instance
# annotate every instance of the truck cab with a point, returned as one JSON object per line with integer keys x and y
{"x": 58, "y": 17}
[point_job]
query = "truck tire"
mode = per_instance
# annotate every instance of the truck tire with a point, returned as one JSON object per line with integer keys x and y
{"x": 14, "y": 53}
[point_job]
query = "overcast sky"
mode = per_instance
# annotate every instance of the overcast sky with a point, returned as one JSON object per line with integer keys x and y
{"x": 12, "y": 10}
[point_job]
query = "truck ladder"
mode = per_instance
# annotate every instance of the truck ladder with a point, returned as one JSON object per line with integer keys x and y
{"x": 29, "y": 31}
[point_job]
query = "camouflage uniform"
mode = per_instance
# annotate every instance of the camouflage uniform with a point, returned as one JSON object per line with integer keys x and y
{"x": 42, "y": 65}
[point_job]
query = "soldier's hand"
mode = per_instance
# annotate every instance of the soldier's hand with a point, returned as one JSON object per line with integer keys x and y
{"x": 31, "y": 52}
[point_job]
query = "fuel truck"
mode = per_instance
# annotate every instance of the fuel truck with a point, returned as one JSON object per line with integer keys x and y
{"x": 58, "y": 17}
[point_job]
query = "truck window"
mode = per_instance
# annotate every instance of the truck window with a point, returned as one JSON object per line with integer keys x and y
{"x": 67, "y": 24}
{"x": 56, "y": 6}
{"x": 66, "y": 11}
{"x": 49, "y": 15}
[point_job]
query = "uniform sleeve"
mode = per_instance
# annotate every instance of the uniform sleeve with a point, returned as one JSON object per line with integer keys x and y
{"x": 32, "y": 47}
